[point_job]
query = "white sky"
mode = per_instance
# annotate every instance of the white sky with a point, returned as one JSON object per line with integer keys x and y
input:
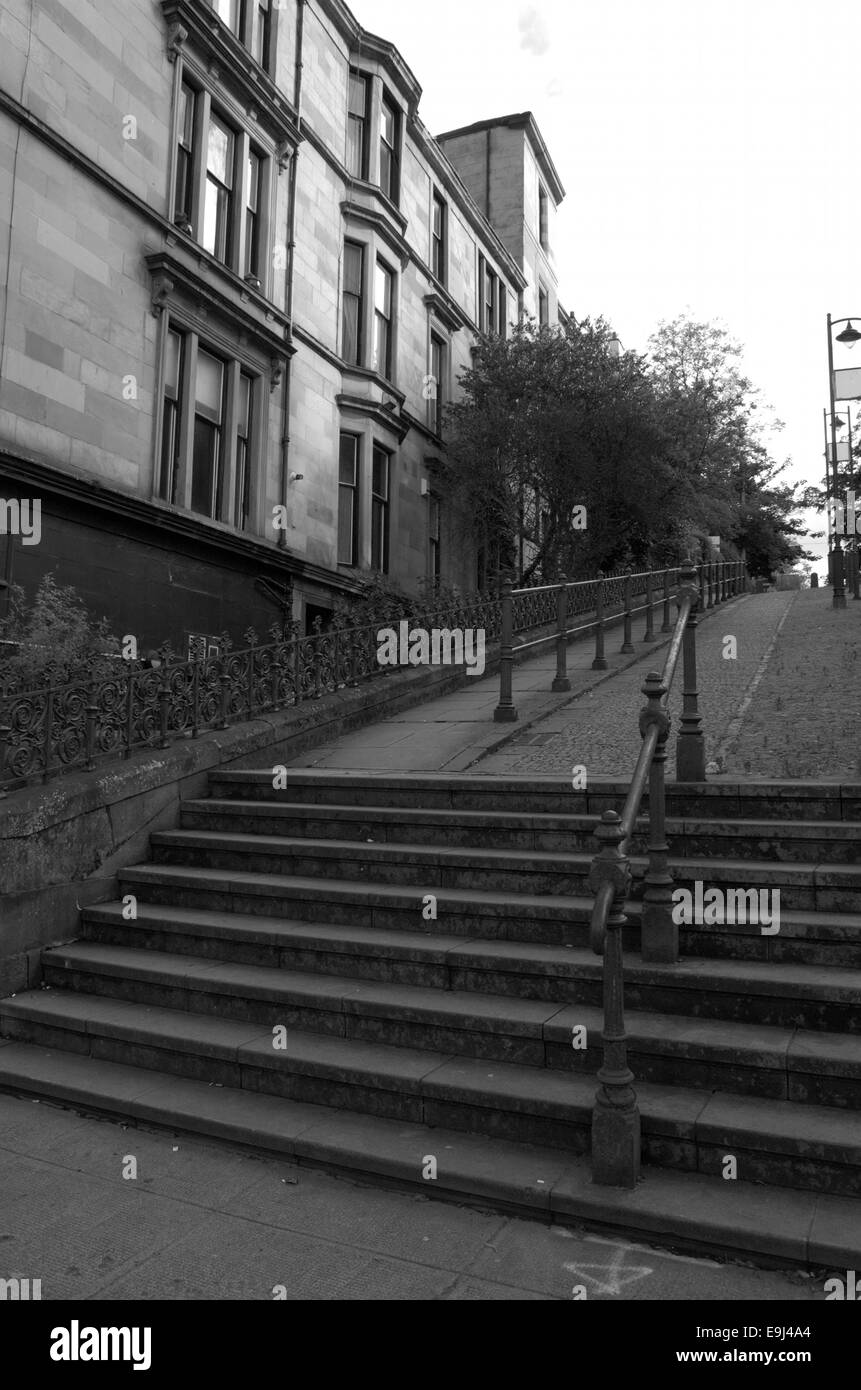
{"x": 710, "y": 155}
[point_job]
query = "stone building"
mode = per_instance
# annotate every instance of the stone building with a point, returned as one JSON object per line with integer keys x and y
{"x": 238, "y": 282}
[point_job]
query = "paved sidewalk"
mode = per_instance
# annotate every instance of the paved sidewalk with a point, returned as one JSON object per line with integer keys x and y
{"x": 456, "y": 731}
{"x": 595, "y": 725}
{"x": 205, "y": 1222}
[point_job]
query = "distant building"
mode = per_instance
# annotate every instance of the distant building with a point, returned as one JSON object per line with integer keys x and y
{"x": 238, "y": 281}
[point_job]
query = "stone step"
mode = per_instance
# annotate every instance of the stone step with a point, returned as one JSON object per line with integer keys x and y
{"x": 810, "y": 886}
{"x": 780, "y": 1063}
{"x": 689, "y": 1212}
{"x": 751, "y": 799}
{"x": 837, "y": 841}
{"x": 779, "y": 1142}
{"x": 816, "y": 938}
{"x": 785, "y": 994}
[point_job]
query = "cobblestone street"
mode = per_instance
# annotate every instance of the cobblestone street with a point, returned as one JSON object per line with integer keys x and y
{"x": 786, "y": 706}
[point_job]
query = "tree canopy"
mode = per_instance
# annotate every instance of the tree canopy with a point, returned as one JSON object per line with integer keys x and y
{"x": 569, "y": 455}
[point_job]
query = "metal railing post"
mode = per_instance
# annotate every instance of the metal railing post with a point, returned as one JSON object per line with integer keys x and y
{"x": 600, "y": 662}
{"x": 616, "y": 1116}
{"x": 649, "y": 635}
{"x": 562, "y": 683}
{"x": 659, "y": 939}
{"x": 505, "y": 712}
{"x": 666, "y": 625}
{"x": 627, "y": 644}
{"x": 690, "y": 746}
{"x": 711, "y": 585}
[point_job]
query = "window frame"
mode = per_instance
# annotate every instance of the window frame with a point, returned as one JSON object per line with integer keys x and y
{"x": 493, "y": 307}
{"x": 363, "y": 122}
{"x": 193, "y": 164}
{"x": 360, "y": 300}
{"x": 393, "y": 191}
{"x": 354, "y": 491}
{"x": 180, "y": 413}
{"x": 438, "y": 372}
{"x": 543, "y": 218}
{"x": 434, "y": 537}
{"x": 386, "y": 368}
{"x": 380, "y": 511}
{"x": 439, "y": 243}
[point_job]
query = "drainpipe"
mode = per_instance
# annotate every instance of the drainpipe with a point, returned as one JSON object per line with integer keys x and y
{"x": 291, "y": 259}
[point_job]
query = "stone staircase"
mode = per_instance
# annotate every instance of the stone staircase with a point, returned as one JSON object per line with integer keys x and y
{"x": 407, "y": 1039}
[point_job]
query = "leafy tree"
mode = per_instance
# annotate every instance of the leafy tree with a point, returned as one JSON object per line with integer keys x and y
{"x": 549, "y": 422}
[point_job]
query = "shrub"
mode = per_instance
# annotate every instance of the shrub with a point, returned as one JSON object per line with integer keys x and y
{"x": 57, "y": 638}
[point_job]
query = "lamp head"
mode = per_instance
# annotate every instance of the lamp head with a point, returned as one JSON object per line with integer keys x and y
{"x": 849, "y": 336}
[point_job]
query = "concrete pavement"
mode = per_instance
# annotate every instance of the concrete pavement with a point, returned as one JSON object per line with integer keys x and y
{"x": 207, "y": 1222}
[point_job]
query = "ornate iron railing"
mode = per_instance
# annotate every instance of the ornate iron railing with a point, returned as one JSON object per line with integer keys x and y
{"x": 52, "y": 729}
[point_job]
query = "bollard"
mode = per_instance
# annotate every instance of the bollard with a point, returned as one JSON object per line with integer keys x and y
{"x": 562, "y": 683}
{"x": 505, "y": 712}
{"x": 627, "y": 644}
{"x": 600, "y": 662}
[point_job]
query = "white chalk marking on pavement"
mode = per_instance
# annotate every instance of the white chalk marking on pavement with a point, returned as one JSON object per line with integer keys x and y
{"x": 617, "y": 1277}
{"x": 734, "y": 729}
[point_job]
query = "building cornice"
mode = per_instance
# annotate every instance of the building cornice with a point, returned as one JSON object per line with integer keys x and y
{"x": 388, "y": 417}
{"x": 174, "y": 273}
{"x": 440, "y": 303}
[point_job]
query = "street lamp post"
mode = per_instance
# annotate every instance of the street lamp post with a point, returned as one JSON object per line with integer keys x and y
{"x": 844, "y": 509}
{"x": 849, "y": 336}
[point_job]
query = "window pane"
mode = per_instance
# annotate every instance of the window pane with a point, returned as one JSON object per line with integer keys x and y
{"x": 381, "y": 345}
{"x": 253, "y": 180}
{"x": 171, "y": 368}
{"x": 261, "y": 34}
{"x": 168, "y": 449}
{"x": 219, "y": 152}
{"x": 352, "y": 341}
{"x": 383, "y": 291}
{"x": 243, "y": 405}
{"x": 228, "y": 11}
{"x": 186, "y": 116}
{"x": 358, "y": 95}
{"x": 381, "y": 474}
{"x": 204, "y": 465}
{"x": 356, "y": 148}
{"x": 210, "y": 383}
{"x": 389, "y": 124}
{"x": 353, "y": 261}
{"x": 347, "y": 462}
{"x": 386, "y": 171}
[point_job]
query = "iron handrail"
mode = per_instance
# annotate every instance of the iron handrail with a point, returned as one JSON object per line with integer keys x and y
{"x": 631, "y": 810}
